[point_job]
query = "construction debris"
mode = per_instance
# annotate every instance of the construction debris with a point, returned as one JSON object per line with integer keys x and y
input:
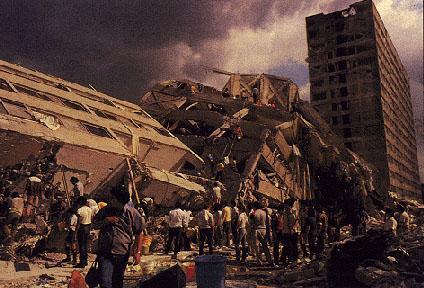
{"x": 260, "y": 140}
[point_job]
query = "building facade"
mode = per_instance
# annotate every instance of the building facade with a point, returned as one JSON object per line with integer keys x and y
{"x": 360, "y": 86}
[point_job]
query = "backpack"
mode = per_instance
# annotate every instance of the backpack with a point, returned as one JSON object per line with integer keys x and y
{"x": 106, "y": 235}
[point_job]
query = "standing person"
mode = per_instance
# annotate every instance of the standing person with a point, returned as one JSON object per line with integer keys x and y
{"x": 304, "y": 228}
{"x": 205, "y": 221}
{"x": 277, "y": 228}
{"x": 294, "y": 234}
{"x": 260, "y": 220}
{"x": 33, "y": 191}
{"x": 177, "y": 220}
{"x": 16, "y": 208}
{"x": 78, "y": 189}
{"x": 84, "y": 214}
{"x": 242, "y": 223}
{"x": 402, "y": 218}
{"x": 311, "y": 227}
{"x": 334, "y": 224}
{"x": 269, "y": 212}
{"x": 217, "y": 229}
{"x": 290, "y": 250}
{"x": 251, "y": 232}
{"x": 234, "y": 220}
{"x": 390, "y": 223}
{"x": 219, "y": 171}
{"x": 119, "y": 224}
{"x": 322, "y": 225}
{"x": 216, "y": 193}
{"x": 71, "y": 238}
{"x": 359, "y": 220}
{"x": 226, "y": 223}
{"x": 185, "y": 241}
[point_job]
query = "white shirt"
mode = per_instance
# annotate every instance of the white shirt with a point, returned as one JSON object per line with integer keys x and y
{"x": 93, "y": 205}
{"x": 188, "y": 216}
{"x": 177, "y": 218}
{"x": 216, "y": 192}
{"x": 85, "y": 215}
{"x": 217, "y": 216}
{"x": 403, "y": 222}
{"x": 34, "y": 179}
{"x": 205, "y": 219}
{"x": 73, "y": 222}
{"x": 390, "y": 225}
{"x": 243, "y": 220}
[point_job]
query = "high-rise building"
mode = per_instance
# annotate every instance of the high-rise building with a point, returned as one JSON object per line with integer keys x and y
{"x": 360, "y": 86}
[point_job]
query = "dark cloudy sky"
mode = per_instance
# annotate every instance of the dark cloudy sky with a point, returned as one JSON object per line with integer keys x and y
{"x": 122, "y": 47}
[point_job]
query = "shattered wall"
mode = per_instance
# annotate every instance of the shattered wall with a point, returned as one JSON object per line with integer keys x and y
{"x": 93, "y": 132}
{"x": 260, "y": 150}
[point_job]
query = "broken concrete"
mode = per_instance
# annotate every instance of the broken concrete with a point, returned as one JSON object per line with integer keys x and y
{"x": 268, "y": 145}
{"x": 86, "y": 133}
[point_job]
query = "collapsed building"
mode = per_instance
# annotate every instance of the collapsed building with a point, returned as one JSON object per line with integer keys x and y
{"x": 58, "y": 129}
{"x": 255, "y": 136}
{"x": 258, "y": 138}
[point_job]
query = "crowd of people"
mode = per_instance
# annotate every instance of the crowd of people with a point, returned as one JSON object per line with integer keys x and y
{"x": 28, "y": 196}
{"x": 255, "y": 229}
{"x": 284, "y": 234}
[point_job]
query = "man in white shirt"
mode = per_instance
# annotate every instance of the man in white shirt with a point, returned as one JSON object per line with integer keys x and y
{"x": 85, "y": 216}
{"x": 390, "y": 223}
{"x": 78, "y": 189}
{"x": 177, "y": 220}
{"x": 71, "y": 239}
{"x": 242, "y": 223}
{"x": 205, "y": 221}
{"x": 402, "y": 219}
{"x": 216, "y": 193}
{"x": 185, "y": 241}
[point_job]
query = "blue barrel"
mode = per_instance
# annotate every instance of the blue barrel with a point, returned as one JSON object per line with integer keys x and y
{"x": 210, "y": 271}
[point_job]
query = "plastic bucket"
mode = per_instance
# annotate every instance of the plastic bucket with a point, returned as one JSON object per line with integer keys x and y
{"x": 190, "y": 272}
{"x": 145, "y": 245}
{"x": 210, "y": 271}
{"x": 146, "y": 240}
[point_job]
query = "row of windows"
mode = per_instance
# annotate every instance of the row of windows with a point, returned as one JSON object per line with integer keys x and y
{"x": 397, "y": 123}
{"x": 342, "y": 105}
{"x": 401, "y": 166}
{"x": 384, "y": 36}
{"x": 61, "y": 86}
{"x": 22, "y": 111}
{"x": 403, "y": 181}
{"x": 13, "y": 87}
{"x": 344, "y": 119}
{"x": 348, "y": 51}
{"x": 337, "y": 26}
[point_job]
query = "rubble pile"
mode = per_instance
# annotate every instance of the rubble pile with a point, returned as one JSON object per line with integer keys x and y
{"x": 52, "y": 130}
{"x": 44, "y": 203}
{"x": 379, "y": 258}
{"x": 260, "y": 140}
